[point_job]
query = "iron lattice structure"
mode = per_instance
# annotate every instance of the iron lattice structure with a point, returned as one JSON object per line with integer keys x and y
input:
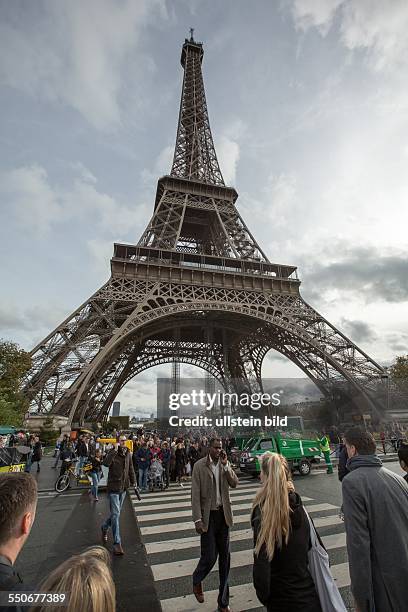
{"x": 196, "y": 289}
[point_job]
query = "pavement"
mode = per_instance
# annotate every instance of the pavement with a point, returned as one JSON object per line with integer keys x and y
{"x": 68, "y": 523}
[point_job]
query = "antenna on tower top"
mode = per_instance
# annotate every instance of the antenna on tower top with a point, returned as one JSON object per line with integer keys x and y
{"x": 191, "y": 34}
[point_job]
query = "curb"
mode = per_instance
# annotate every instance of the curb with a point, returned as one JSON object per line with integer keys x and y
{"x": 145, "y": 561}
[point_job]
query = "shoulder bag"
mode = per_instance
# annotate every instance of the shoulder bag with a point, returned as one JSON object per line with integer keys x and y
{"x": 328, "y": 593}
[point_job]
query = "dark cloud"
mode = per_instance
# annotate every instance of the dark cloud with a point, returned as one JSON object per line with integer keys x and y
{"x": 363, "y": 271}
{"x": 359, "y": 331}
{"x": 397, "y": 342}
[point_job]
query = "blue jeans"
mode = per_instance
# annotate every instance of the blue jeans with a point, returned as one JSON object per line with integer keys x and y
{"x": 143, "y": 478}
{"x": 80, "y": 464}
{"x": 95, "y": 480}
{"x": 29, "y": 462}
{"x": 116, "y": 501}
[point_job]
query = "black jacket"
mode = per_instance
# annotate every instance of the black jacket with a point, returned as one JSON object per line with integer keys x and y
{"x": 67, "y": 453}
{"x": 193, "y": 455}
{"x": 284, "y": 583}
{"x": 343, "y": 458}
{"x": 82, "y": 450}
{"x": 121, "y": 473}
{"x": 37, "y": 452}
{"x": 10, "y": 580}
{"x": 96, "y": 465}
{"x": 181, "y": 456}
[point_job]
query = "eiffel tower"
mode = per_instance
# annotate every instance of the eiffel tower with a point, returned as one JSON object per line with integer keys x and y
{"x": 197, "y": 288}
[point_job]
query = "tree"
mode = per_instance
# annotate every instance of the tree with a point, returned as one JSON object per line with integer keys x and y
{"x": 399, "y": 379}
{"x": 399, "y": 370}
{"x": 49, "y": 435}
{"x": 14, "y": 363}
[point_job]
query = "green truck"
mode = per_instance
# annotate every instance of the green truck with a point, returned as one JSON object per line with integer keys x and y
{"x": 299, "y": 452}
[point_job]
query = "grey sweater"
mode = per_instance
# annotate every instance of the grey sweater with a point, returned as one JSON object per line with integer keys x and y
{"x": 376, "y": 519}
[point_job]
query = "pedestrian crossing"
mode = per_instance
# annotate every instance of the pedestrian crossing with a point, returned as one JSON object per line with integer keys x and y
{"x": 173, "y": 547}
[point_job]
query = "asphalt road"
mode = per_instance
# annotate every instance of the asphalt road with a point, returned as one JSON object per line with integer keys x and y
{"x": 66, "y": 524}
{"x": 173, "y": 547}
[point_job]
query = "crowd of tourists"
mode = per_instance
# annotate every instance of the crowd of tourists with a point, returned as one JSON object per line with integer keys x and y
{"x": 176, "y": 454}
{"x": 291, "y": 569}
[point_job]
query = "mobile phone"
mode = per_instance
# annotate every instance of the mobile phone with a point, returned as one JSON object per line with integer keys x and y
{"x": 223, "y": 454}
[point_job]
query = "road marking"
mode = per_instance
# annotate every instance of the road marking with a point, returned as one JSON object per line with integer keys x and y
{"x": 176, "y": 505}
{"x": 186, "y": 567}
{"x": 192, "y": 542}
{"x": 243, "y": 597}
{"x": 184, "y": 504}
{"x": 338, "y": 540}
{"x": 51, "y": 495}
{"x": 322, "y": 521}
{"x": 176, "y": 513}
{"x": 141, "y": 505}
{"x": 148, "y": 499}
{"x": 165, "y": 495}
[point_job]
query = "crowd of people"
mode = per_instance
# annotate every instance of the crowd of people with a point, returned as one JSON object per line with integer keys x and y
{"x": 177, "y": 454}
{"x": 31, "y": 443}
{"x": 289, "y": 555}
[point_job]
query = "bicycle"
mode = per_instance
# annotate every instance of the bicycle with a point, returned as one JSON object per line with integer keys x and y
{"x": 64, "y": 481}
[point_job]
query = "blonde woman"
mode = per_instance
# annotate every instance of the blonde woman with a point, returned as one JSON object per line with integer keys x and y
{"x": 87, "y": 581}
{"x": 281, "y": 542}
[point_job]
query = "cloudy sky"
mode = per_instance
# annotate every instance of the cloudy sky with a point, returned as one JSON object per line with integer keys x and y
{"x": 309, "y": 111}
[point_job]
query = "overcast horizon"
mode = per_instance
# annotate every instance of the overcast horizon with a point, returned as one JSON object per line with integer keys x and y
{"x": 308, "y": 109}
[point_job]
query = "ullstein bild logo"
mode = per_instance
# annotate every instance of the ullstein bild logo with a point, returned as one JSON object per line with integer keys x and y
{"x": 228, "y": 421}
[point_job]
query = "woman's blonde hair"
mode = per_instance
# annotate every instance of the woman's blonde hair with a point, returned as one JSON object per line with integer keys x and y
{"x": 273, "y": 501}
{"x": 87, "y": 581}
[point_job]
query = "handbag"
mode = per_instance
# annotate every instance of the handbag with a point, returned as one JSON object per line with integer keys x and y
{"x": 327, "y": 591}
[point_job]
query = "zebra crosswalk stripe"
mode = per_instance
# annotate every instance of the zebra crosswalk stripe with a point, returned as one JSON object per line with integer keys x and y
{"x": 337, "y": 540}
{"x": 148, "y": 498}
{"x": 173, "y": 504}
{"x": 152, "y": 516}
{"x": 175, "y": 569}
{"x": 151, "y": 502}
{"x": 242, "y": 518}
{"x": 170, "y": 504}
{"x": 242, "y": 597}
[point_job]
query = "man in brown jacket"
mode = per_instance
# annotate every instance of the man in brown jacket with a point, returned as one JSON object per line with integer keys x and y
{"x": 121, "y": 476}
{"x": 212, "y": 514}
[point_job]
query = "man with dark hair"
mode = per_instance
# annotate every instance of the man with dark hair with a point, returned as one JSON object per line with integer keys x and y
{"x": 403, "y": 459}
{"x": 82, "y": 452}
{"x": 193, "y": 454}
{"x": 212, "y": 514}
{"x": 121, "y": 475}
{"x": 18, "y": 502}
{"x": 62, "y": 446}
{"x": 143, "y": 461}
{"x": 375, "y": 502}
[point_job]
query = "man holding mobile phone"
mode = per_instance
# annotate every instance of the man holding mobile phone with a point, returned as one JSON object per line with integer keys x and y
{"x": 212, "y": 514}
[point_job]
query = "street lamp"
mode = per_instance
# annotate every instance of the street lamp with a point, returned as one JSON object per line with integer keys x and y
{"x": 386, "y": 379}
